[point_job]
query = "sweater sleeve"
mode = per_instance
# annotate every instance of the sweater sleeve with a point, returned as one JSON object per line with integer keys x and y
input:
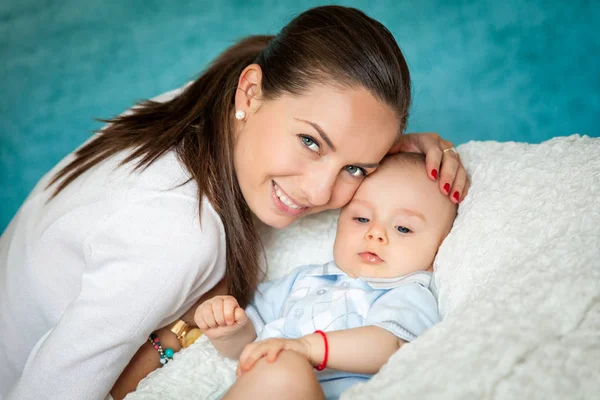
{"x": 141, "y": 264}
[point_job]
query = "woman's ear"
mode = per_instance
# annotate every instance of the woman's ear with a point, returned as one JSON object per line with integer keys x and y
{"x": 248, "y": 93}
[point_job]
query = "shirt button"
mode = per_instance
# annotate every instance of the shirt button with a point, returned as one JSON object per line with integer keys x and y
{"x": 344, "y": 285}
{"x": 321, "y": 291}
{"x": 298, "y": 313}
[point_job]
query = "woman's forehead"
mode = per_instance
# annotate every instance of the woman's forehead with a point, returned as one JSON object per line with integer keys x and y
{"x": 344, "y": 108}
{"x": 344, "y": 115}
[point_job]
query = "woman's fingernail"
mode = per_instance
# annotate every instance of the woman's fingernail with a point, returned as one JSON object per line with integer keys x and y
{"x": 447, "y": 188}
{"x": 456, "y": 196}
{"x": 434, "y": 173}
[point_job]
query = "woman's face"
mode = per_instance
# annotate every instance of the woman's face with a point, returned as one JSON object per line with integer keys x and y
{"x": 298, "y": 155}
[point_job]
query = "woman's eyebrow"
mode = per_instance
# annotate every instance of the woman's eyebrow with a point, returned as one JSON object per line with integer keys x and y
{"x": 321, "y": 133}
{"x": 326, "y": 139}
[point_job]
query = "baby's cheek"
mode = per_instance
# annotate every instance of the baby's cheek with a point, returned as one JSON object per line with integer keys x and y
{"x": 426, "y": 256}
{"x": 342, "y": 252}
{"x": 338, "y": 250}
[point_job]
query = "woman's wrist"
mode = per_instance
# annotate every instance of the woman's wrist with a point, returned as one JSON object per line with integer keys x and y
{"x": 168, "y": 338}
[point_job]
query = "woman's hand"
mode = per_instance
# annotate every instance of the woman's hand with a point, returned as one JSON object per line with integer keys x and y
{"x": 270, "y": 348}
{"x": 446, "y": 166}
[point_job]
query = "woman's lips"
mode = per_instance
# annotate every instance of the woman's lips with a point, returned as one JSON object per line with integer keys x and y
{"x": 284, "y": 208}
{"x": 370, "y": 258}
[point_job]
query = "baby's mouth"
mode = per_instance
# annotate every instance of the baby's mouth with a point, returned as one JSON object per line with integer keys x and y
{"x": 370, "y": 257}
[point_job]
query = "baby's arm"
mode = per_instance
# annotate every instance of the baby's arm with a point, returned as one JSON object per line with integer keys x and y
{"x": 226, "y": 325}
{"x": 361, "y": 350}
{"x": 397, "y": 317}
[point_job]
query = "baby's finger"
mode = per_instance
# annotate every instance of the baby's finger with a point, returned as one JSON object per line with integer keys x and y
{"x": 217, "y": 309}
{"x": 244, "y": 355}
{"x": 273, "y": 352}
{"x": 209, "y": 318}
{"x": 252, "y": 357}
{"x": 229, "y": 307}
{"x": 241, "y": 318}
{"x": 199, "y": 318}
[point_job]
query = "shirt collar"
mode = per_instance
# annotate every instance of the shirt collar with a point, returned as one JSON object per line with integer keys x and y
{"x": 421, "y": 277}
{"x": 331, "y": 269}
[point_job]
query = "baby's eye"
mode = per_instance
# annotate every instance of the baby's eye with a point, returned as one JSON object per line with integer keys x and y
{"x": 356, "y": 171}
{"x": 403, "y": 229}
{"x": 361, "y": 220}
{"x": 310, "y": 143}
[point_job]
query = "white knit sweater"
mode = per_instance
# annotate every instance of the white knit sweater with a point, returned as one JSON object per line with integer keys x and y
{"x": 86, "y": 277}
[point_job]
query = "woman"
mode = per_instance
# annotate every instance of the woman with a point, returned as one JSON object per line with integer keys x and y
{"x": 124, "y": 236}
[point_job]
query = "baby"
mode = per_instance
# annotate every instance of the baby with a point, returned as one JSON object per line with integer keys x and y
{"x": 347, "y": 317}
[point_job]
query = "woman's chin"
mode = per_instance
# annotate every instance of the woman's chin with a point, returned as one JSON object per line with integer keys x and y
{"x": 275, "y": 220}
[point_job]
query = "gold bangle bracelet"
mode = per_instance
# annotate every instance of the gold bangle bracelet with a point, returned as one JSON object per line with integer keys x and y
{"x": 184, "y": 333}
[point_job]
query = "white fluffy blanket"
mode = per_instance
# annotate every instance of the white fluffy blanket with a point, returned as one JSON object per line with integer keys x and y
{"x": 519, "y": 286}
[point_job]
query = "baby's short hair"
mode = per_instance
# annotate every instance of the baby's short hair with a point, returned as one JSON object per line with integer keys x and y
{"x": 418, "y": 160}
{"x": 407, "y": 158}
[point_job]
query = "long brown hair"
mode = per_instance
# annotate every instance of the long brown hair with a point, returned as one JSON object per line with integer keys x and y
{"x": 327, "y": 45}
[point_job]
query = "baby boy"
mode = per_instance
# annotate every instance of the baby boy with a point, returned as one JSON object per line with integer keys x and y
{"x": 347, "y": 317}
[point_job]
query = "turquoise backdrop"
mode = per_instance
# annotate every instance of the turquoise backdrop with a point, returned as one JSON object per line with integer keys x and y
{"x": 482, "y": 70}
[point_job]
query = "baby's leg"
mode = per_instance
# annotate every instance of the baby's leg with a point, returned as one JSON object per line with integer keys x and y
{"x": 290, "y": 377}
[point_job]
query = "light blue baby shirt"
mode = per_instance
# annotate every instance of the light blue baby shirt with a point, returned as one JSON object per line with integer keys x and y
{"x": 323, "y": 297}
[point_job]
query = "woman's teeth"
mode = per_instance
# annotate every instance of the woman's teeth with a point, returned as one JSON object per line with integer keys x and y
{"x": 285, "y": 200}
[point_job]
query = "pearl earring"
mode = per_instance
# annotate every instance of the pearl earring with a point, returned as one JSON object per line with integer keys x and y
{"x": 240, "y": 115}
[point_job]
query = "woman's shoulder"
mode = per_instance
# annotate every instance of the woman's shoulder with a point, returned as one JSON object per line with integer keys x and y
{"x": 129, "y": 203}
{"x": 161, "y": 198}
{"x": 161, "y": 225}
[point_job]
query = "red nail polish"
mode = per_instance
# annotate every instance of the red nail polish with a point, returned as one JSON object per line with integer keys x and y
{"x": 434, "y": 173}
{"x": 447, "y": 188}
{"x": 456, "y": 196}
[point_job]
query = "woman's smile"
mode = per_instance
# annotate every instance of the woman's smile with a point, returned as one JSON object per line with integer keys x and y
{"x": 285, "y": 203}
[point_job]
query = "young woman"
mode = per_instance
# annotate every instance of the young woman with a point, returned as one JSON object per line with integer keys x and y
{"x": 125, "y": 235}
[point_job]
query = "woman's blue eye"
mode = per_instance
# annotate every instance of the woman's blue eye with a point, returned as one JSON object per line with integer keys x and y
{"x": 356, "y": 171}
{"x": 362, "y": 220}
{"x": 310, "y": 143}
{"x": 403, "y": 229}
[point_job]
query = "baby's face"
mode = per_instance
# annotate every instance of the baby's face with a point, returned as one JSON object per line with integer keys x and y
{"x": 394, "y": 224}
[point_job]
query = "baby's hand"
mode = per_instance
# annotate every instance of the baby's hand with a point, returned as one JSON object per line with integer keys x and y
{"x": 220, "y": 316}
{"x": 270, "y": 348}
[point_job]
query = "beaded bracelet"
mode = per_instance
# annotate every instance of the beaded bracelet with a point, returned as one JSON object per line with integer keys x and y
{"x": 165, "y": 355}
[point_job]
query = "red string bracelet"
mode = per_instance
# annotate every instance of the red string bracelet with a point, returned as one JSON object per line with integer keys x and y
{"x": 322, "y": 366}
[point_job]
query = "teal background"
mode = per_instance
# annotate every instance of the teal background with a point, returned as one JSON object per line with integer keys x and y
{"x": 483, "y": 70}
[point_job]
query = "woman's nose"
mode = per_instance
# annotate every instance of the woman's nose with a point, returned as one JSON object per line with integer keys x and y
{"x": 378, "y": 234}
{"x": 319, "y": 187}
